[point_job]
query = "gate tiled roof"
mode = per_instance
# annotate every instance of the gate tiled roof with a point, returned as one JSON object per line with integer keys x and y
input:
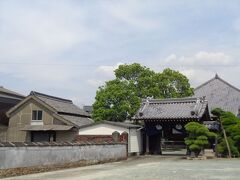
{"x": 179, "y": 108}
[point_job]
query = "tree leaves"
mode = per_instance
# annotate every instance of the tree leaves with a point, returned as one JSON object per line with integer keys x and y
{"x": 198, "y": 136}
{"x": 231, "y": 124}
{"x": 119, "y": 99}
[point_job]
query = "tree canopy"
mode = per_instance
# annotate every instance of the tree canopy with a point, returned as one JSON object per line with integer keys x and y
{"x": 119, "y": 99}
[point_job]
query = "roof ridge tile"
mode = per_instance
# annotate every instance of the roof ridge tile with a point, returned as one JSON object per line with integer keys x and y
{"x": 38, "y": 94}
{"x": 216, "y": 77}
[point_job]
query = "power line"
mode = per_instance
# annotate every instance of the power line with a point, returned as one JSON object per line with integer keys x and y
{"x": 96, "y": 65}
{"x": 48, "y": 64}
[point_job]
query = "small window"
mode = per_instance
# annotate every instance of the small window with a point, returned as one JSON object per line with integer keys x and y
{"x": 37, "y": 115}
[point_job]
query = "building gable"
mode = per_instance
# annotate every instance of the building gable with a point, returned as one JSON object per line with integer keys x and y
{"x": 23, "y": 115}
{"x": 21, "y": 121}
{"x": 40, "y": 115}
{"x": 25, "y": 108}
{"x": 220, "y": 94}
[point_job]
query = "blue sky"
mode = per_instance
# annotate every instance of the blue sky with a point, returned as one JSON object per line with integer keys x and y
{"x": 69, "y": 48}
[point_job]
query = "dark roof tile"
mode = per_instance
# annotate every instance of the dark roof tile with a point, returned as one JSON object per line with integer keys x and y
{"x": 66, "y": 109}
{"x": 79, "y": 121}
{"x": 61, "y": 105}
{"x": 181, "y": 108}
{"x": 220, "y": 93}
{"x": 6, "y": 93}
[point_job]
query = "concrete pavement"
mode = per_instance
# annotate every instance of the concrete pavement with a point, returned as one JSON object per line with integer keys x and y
{"x": 148, "y": 167}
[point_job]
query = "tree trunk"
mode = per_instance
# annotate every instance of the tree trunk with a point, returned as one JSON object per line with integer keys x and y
{"x": 226, "y": 140}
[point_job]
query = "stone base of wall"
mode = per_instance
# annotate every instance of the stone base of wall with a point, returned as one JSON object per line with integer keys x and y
{"x": 39, "y": 169}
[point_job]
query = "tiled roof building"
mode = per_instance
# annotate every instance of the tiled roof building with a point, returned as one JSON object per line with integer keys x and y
{"x": 220, "y": 93}
{"x": 63, "y": 108}
{"x": 66, "y": 109}
{"x": 166, "y": 118}
{"x": 172, "y": 109}
{"x": 41, "y": 117}
{"x": 8, "y": 99}
{"x": 6, "y": 93}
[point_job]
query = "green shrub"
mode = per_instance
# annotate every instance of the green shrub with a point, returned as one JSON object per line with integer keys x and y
{"x": 198, "y": 137}
{"x": 195, "y": 148}
{"x": 217, "y": 112}
{"x": 228, "y": 119}
{"x": 222, "y": 148}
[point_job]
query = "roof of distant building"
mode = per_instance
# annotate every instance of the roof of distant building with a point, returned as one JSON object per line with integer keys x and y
{"x": 220, "y": 94}
{"x": 8, "y": 99}
{"x": 6, "y": 93}
{"x": 88, "y": 109}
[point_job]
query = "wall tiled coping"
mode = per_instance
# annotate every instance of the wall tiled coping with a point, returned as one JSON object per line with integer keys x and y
{"x": 37, "y": 144}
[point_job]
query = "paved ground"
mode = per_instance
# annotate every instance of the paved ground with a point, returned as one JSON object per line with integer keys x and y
{"x": 148, "y": 167}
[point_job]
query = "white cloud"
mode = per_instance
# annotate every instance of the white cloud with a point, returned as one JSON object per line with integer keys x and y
{"x": 35, "y": 35}
{"x": 170, "y": 58}
{"x": 236, "y": 24}
{"x": 202, "y": 65}
{"x": 201, "y": 58}
{"x": 108, "y": 71}
{"x": 198, "y": 76}
{"x": 95, "y": 83}
{"x": 83, "y": 32}
{"x": 130, "y": 13}
{"x": 30, "y": 32}
{"x": 102, "y": 74}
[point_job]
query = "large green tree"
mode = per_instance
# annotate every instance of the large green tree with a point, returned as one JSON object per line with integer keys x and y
{"x": 115, "y": 101}
{"x": 119, "y": 99}
{"x": 173, "y": 84}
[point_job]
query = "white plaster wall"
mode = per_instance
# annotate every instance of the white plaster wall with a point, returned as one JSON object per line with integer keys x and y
{"x": 101, "y": 129}
{"x": 134, "y": 136}
{"x": 135, "y": 141}
{"x": 13, "y": 157}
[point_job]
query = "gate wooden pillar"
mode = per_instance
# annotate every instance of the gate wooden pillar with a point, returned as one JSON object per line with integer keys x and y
{"x": 147, "y": 144}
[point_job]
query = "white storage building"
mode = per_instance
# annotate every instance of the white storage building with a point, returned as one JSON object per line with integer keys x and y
{"x": 108, "y": 127}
